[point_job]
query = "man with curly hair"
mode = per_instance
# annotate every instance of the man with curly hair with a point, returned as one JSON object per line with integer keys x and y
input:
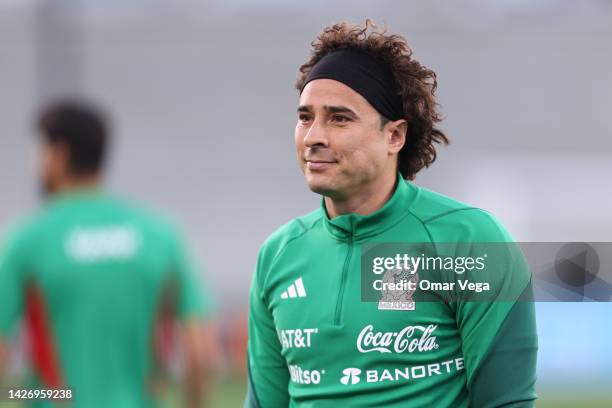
{"x": 367, "y": 124}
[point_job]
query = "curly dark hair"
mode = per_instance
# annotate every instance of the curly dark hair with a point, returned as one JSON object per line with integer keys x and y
{"x": 416, "y": 85}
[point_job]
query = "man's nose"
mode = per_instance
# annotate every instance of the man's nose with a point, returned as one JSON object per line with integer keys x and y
{"x": 316, "y": 135}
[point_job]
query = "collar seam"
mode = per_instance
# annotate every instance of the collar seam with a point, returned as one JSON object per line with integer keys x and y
{"x": 284, "y": 247}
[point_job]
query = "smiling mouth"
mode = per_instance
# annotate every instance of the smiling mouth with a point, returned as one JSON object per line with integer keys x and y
{"x": 319, "y": 165}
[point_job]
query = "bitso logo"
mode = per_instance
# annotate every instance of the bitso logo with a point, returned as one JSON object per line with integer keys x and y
{"x": 351, "y": 376}
{"x": 305, "y": 377}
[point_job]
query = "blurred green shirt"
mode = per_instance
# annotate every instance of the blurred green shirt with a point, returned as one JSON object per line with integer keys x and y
{"x": 90, "y": 276}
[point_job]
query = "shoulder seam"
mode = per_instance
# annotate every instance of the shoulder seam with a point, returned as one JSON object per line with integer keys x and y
{"x": 424, "y": 223}
{"x": 282, "y": 249}
{"x": 444, "y": 214}
{"x": 299, "y": 221}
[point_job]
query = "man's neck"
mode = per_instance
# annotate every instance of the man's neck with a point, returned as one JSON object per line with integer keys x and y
{"x": 365, "y": 201}
{"x": 77, "y": 183}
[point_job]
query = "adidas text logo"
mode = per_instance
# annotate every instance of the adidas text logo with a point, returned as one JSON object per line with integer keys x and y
{"x": 294, "y": 290}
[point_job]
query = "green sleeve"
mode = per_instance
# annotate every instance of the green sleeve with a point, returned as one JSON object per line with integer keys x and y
{"x": 498, "y": 331}
{"x": 268, "y": 373}
{"x": 12, "y": 270}
{"x": 193, "y": 299}
{"x": 507, "y": 374}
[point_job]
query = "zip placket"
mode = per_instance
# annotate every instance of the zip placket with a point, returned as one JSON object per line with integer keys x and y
{"x": 343, "y": 277}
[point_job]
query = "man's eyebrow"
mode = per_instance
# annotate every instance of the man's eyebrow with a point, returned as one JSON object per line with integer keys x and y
{"x": 304, "y": 108}
{"x": 329, "y": 109}
{"x": 340, "y": 109}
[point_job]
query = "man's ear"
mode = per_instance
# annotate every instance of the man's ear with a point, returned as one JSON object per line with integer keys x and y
{"x": 59, "y": 158}
{"x": 396, "y": 131}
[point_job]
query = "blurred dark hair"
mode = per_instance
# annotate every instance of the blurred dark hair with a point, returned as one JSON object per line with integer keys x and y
{"x": 416, "y": 86}
{"x": 81, "y": 127}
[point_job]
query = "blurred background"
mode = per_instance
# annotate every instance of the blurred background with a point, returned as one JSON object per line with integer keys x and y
{"x": 203, "y": 104}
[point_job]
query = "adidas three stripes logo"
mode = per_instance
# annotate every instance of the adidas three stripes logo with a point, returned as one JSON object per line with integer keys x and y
{"x": 294, "y": 290}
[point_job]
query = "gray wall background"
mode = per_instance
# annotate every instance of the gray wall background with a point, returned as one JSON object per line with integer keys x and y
{"x": 204, "y": 108}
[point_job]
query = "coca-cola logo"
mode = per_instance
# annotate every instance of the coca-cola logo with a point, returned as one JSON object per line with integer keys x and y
{"x": 408, "y": 340}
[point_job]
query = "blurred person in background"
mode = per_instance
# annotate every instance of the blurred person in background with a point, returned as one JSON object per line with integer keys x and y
{"x": 367, "y": 123}
{"x": 98, "y": 282}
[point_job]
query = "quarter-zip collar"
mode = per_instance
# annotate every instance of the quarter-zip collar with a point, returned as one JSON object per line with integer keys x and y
{"x": 356, "y": 227}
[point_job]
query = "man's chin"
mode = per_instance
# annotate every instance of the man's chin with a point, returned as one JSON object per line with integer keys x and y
{"x": 318, "y": 185}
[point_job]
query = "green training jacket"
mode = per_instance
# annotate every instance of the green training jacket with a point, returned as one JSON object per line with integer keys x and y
{"x": 318, "y": 339}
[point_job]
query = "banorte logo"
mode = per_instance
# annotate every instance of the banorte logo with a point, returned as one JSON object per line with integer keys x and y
{"x": 408, "y": 340}
{"x": 351, "y": 376}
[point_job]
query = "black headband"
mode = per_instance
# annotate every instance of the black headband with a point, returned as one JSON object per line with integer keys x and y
{"x": 366, "y": 75}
